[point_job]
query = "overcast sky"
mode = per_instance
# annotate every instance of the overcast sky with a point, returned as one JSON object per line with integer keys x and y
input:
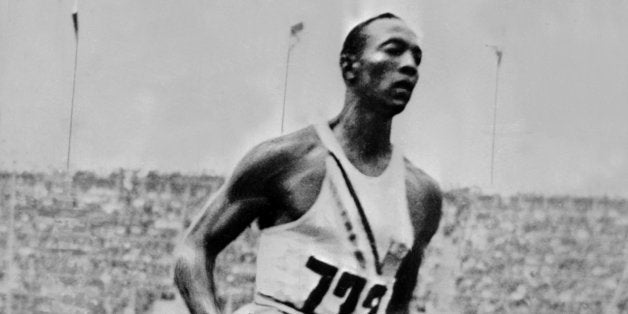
{"x": 192, "y": 85}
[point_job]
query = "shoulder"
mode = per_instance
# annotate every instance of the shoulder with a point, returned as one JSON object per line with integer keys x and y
{"x": 420, "y": 184}
{"x": 424, "y": 200}
{"x": 272, "y": 158}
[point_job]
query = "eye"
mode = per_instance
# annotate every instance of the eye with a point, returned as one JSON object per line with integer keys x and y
{"x": 394, "y": 49}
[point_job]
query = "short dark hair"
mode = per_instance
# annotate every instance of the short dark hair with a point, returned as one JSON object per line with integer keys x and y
{"x": 355, "y": 40}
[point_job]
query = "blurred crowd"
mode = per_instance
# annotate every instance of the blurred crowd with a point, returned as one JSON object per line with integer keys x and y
{"x": 530, "y": 253}
{"x": 93, "y": 244}
{"x": 104, "y": 244}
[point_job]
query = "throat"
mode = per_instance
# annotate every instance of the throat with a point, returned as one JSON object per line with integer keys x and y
{"x": 365, "y": 140}
{"x": 370, "y": 167}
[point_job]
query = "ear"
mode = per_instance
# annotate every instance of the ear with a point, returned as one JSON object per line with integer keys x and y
{"x": 348, "y": 65}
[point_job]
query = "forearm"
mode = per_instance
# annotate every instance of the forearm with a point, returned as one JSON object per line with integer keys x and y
{"x": 194, "y": 279}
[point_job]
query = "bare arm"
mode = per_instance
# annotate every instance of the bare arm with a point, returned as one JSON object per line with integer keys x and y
{"x": 425, "y": 202}
{"x": 236, "y": 206}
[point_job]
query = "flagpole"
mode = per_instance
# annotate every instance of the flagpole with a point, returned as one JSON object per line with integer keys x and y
{"x": 76, "y": 46}
{"x": 294, "y": 30}
{"x": 498, "y": 55}
{"x": 285, "y": 87}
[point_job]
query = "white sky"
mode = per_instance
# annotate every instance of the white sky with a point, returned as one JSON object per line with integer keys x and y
{"x": 192, "y": 85}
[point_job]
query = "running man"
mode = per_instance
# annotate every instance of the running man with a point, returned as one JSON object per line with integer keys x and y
{"x": 344, "y": 217}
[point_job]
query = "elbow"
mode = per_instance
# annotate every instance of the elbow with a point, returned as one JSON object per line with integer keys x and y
{"x": 190, "y": 259}
{"x": 178, "y": 280}
{"x": 187, "y": 257}
{"x": 182, "y": 267}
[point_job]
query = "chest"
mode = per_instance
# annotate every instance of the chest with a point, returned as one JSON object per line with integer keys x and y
{"x": 382, "y": 200}
{"x": 294, "y": 192}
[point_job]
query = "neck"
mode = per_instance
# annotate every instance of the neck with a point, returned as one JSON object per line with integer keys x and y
{"x": 363, "y": 133}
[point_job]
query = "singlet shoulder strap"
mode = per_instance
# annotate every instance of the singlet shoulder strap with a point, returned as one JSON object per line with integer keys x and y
{"x": 331, "y": 143}
{"x": 329, "y": 139}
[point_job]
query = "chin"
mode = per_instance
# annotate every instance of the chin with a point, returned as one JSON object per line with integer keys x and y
{"x": 399, "y": 104}
{"x": 396, "y": 107}
{"x": 389, "y": 106}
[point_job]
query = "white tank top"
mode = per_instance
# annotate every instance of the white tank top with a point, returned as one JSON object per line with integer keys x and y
{"x": 324, "y": 261}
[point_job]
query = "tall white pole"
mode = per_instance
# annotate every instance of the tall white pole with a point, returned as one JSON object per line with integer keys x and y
{"x": 294, "y": 31}
{"x": 498, "y": 55}
{"x": 67, "y": 165}
{"x": 285, "y": 88}
{"x": 76, "y": 46}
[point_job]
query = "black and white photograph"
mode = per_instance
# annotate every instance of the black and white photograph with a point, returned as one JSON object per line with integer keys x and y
{"x": 313, "y": 157}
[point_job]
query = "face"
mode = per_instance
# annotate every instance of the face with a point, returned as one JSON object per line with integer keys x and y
{"x": 387, "y": 70}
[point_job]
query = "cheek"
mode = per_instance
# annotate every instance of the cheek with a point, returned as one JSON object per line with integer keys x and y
{"x": 378, "y": 71}
{"x": 379, "y": 67}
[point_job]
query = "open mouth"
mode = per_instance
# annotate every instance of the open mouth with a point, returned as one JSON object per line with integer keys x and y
{"x": 404, "y": 85}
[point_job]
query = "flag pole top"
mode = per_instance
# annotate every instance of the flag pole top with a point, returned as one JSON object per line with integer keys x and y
{"x": 296, "y": 28}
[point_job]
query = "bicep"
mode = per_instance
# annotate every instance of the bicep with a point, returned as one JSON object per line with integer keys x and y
{"x": 235, "y": 206}
{"x": 222, "y": 219}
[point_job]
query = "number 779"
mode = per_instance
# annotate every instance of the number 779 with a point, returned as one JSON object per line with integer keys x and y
{"x": 352, "y": 283}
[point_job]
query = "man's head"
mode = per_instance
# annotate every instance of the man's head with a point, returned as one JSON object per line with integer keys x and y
{"x": 379, "y": 62}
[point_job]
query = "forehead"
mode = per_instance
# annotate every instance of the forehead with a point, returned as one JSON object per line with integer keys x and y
{"x": 383, "y": 29}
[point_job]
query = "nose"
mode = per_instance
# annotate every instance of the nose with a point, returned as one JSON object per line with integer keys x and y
{"x": 409, "y": 70}
{"x": 409, "y": 65}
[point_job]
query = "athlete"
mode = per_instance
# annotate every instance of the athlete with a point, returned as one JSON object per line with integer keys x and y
{"x": 344, "y": 217}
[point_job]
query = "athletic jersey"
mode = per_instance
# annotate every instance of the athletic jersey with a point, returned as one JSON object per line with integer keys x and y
{"x": 342, "y": 255}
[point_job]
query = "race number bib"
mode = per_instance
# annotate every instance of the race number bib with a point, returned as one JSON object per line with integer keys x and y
{"x": 348, "y": 286}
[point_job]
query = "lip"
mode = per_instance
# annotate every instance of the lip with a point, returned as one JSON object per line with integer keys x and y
{"x": 404, "y": 85}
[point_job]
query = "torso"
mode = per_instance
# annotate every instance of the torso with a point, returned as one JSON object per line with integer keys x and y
{"x": 295, "y": 186}
{"x": 304, "y": 183}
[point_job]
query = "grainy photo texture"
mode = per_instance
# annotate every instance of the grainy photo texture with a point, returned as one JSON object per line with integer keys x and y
{"x": 320, "y": 157}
